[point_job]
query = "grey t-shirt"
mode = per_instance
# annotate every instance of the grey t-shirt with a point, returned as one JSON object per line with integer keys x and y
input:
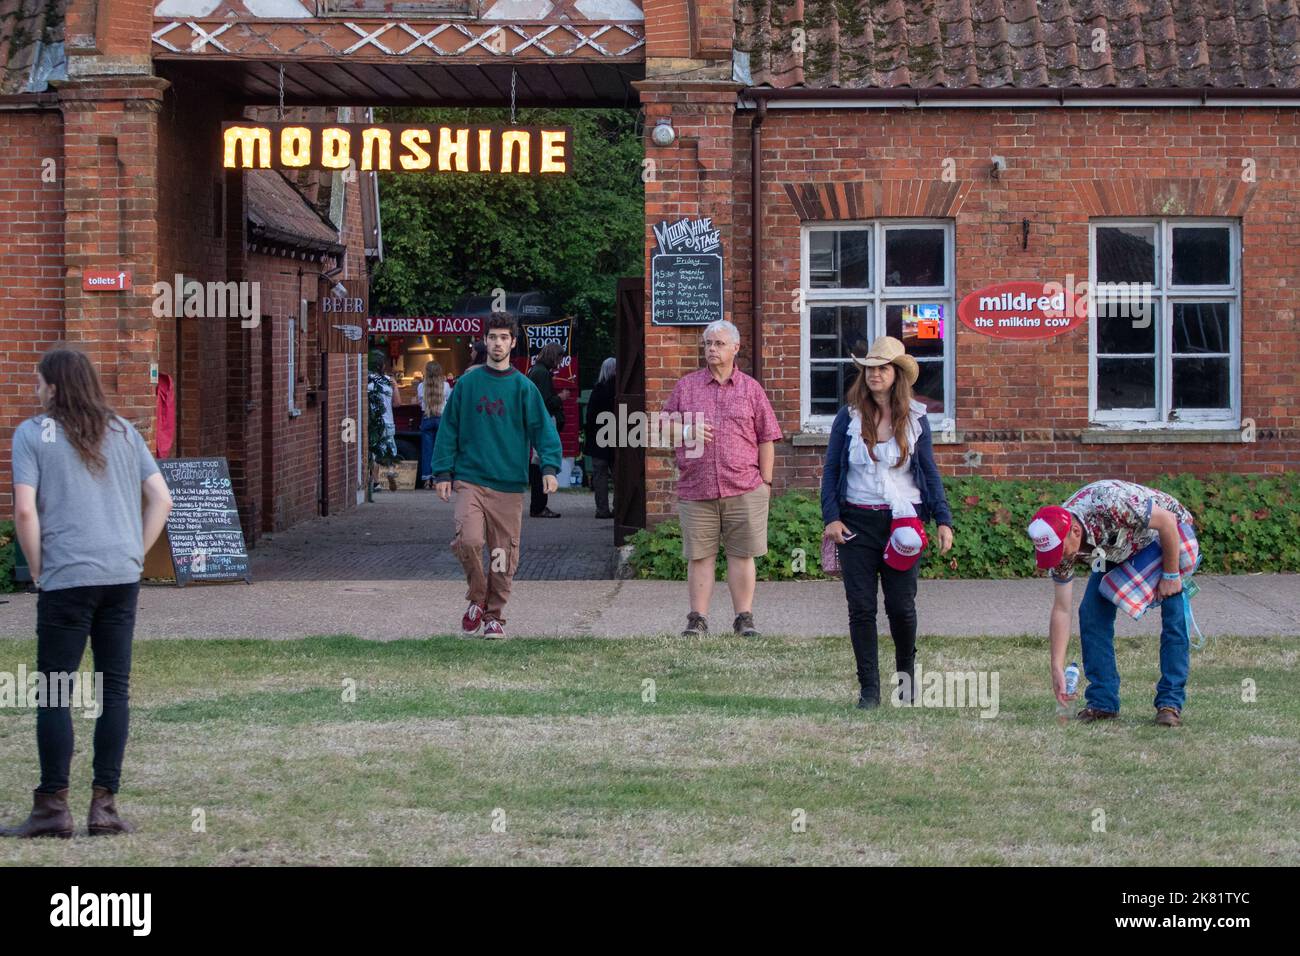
{"x": 91, "y": 525}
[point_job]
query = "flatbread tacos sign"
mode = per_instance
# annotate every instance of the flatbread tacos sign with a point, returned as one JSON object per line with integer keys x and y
{"x": 1023, "y": 310}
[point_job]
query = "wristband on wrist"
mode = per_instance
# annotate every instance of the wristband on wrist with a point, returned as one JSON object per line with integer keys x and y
{"x": 1171, "y": 575}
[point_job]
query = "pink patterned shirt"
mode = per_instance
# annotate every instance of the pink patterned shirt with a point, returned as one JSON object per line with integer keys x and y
{"x": 742, "y": 419}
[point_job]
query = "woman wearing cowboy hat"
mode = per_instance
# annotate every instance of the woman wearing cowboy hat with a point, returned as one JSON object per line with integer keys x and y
{"x": 879, "y": 485}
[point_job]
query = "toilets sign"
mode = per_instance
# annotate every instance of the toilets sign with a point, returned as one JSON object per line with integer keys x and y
{"x": 1021, "y": 310}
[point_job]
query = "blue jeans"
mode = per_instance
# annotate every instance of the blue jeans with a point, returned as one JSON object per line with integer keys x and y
{"x": 428, "y": 432}
{"x": 1097, "y": 636}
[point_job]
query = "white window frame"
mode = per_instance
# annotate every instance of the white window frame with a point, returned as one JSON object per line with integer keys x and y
{"x": 1163, "y": 416}
{"x": 877, "y": 298}
{"x": 292, "y": 324}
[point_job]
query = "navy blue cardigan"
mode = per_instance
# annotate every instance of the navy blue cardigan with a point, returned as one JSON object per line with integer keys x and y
{"x": 835, "y": 474}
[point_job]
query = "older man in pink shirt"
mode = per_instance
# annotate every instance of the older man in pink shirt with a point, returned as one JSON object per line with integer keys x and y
{"x": 723, "y": 492}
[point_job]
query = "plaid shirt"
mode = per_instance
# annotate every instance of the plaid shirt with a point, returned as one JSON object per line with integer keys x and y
{"x": 1116, "y": 516}
{"x": 742, "y": 419}
{"x": 1132, "y": 586}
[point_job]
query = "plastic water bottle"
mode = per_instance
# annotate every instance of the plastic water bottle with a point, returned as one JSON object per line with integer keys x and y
{"x": 1072, "y": 678}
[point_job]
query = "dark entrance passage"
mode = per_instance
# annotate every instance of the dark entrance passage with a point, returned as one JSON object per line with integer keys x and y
{"x": 404, "y": 536}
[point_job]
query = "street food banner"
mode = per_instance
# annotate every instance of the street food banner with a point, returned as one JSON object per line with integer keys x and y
{"x": 341, "y": 316}
{"x": 565, "y": 376}
{"x": 393, "y": 147}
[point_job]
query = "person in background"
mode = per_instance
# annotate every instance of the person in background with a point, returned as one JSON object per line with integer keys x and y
{"x": 477, "y": 353}
{"x": 541, "y": 376}
{"x": 724, "y": 485}
{"x": 600, "y": 400}
{"x": 79, "y": 470}
{"x": 494, "y": 416}
{"x": 383, "y": 392}
{"x": 880, "y": 452}
{"x": 432, "y": 394}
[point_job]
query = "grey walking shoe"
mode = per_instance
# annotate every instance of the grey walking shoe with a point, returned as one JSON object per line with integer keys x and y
{"x": 744, "y": 625}
{"x": 696, "y": 626}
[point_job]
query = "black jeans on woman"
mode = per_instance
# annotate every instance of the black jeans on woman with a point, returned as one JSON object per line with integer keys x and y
{"x": 862, "y": 562}
{"x": 64, "y": 618}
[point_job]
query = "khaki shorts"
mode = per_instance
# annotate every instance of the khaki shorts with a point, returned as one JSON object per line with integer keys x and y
{"x": 738, "y": 522}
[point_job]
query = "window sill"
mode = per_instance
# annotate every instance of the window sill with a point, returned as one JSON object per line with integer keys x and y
{"x": 814, "y": 439}
{"x": 1161, "y": 436}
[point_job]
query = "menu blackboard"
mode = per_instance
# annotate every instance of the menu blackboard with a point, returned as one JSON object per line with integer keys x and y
{"x": 685, "y": 288}
{"x": 203, "y": 530}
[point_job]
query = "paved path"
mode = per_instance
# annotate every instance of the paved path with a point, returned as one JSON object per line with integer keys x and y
{"x": 1246, "y": 605}
{"x": 404, "y": 536}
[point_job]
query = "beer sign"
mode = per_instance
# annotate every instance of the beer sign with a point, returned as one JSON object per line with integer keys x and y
{"x": 341, "y": 316}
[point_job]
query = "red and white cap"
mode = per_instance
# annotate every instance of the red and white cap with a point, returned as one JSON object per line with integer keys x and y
{"x": 1048, "y": 530}
{"x": 907, "y": 539}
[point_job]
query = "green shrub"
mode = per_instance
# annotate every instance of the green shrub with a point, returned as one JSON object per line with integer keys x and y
{"x": 8, "y": 555}
{"x": 1244, "y": 523}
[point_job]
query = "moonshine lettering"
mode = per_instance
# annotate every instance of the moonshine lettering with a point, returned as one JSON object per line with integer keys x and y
{"x": 437, "y": 149}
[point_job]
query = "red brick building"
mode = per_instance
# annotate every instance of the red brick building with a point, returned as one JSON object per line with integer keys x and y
{"x": 904, "y": 153}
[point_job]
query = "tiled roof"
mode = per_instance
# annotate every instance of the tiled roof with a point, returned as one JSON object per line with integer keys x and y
{"x": 26, "y": 28}
{"x": 279, "y": 214}
{"x": 1056, "y": 44}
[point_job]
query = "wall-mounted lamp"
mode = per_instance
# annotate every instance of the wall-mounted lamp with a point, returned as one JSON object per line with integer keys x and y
{"x": 663, "y": 134}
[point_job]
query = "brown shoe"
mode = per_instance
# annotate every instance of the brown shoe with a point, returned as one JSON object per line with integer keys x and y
{"x": 103, "y": 819}
{"x": 696, "y": 626}
{"x": 1169, "y": 717}
{"x": 1091, "y": 715}
{"x": 50, "y": 817}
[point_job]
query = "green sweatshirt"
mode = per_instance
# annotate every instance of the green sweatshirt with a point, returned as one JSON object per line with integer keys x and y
{"x": 488, "y": 425}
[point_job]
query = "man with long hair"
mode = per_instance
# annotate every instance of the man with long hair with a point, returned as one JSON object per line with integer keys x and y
{"x": 78, "y": 470}
{"x": 495, "y": 414}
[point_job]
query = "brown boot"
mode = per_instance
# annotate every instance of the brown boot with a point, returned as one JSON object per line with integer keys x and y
{"x": 103, "y": 819}
{"x": 50, "y": 817}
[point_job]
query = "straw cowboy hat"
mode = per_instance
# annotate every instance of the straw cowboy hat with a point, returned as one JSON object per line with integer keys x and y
{"x": 884, "y": 351}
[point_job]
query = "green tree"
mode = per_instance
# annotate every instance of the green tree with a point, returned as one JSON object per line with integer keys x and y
{"x": 572, "y": 237}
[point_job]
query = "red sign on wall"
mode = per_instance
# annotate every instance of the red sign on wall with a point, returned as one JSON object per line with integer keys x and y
{"x": 1021, "y": 310}
{"x": 106, "y": 280}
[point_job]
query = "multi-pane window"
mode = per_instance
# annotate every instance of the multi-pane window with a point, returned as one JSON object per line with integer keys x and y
{"x": 1165, "y": 313}
{"x": 861, "y": 281}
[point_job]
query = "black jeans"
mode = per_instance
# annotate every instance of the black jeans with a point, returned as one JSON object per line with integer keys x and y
{"x": 862, "y": 562}
{"x": 539, "y": 498}
{"x": 64, "y": 618}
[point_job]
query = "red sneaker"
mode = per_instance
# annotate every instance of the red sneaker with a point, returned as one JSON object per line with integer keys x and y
{"x": 493, "y": 629}
{"x": 472, "y": 619}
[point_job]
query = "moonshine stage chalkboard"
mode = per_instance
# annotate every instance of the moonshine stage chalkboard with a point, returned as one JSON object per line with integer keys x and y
{"x": 686, "y": 273}
{"x": 685, "y": 289}
{"x": 203, "y": 530}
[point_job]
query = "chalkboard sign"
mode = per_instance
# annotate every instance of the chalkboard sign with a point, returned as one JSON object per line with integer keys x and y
{"x": 203, "y": 530}
{"x": 685, "y": 289}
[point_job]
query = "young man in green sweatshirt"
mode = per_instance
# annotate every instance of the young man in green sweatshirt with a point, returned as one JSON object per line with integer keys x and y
{"x": 494, "y": 415}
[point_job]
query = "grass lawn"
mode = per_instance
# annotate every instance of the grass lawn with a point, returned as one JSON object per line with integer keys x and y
{"x": 552, "y": 741}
